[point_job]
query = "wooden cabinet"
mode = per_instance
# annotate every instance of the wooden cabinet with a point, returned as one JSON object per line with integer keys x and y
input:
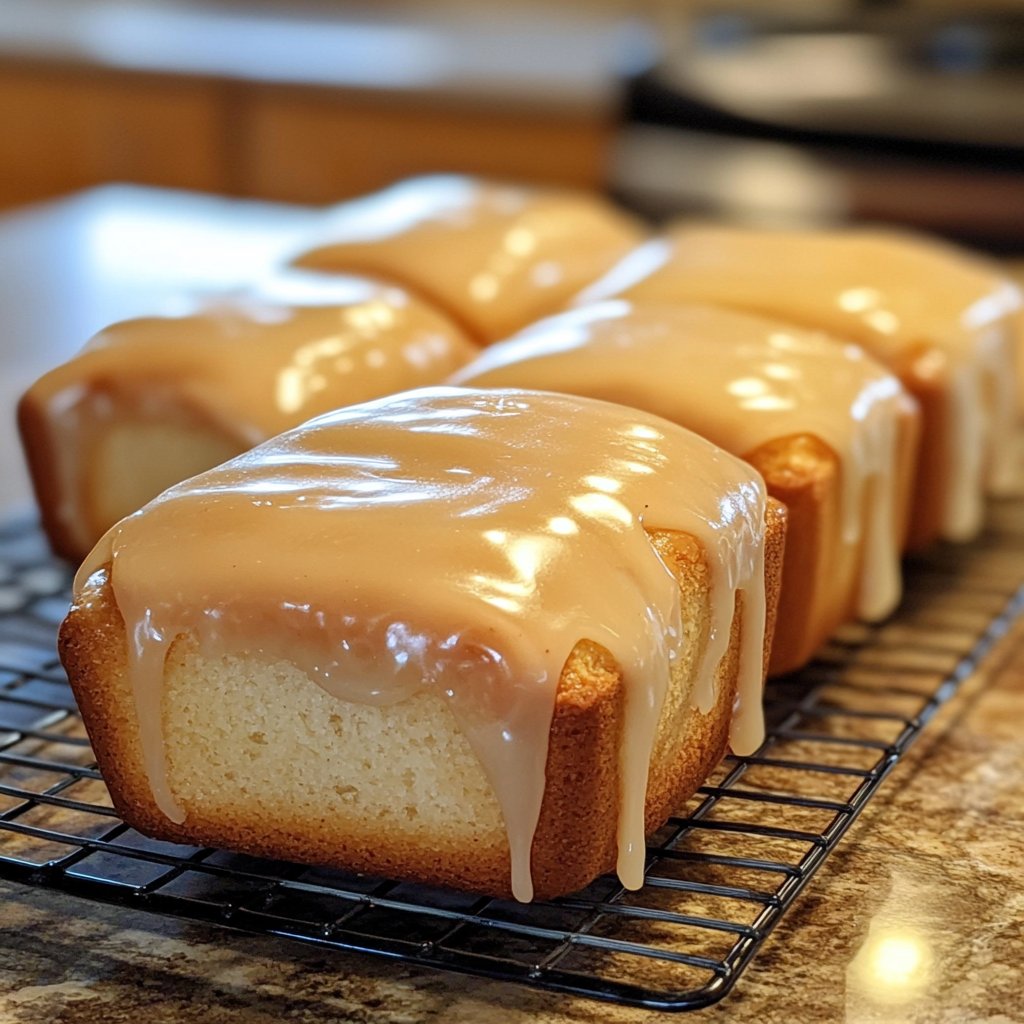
{"x": 64, "y": 128}
{"x": 314, "y": 148}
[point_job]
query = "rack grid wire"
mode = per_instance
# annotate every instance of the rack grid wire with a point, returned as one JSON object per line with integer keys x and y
{"x": 719, "y": 876}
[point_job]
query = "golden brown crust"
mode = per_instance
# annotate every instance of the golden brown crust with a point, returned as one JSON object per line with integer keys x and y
{"x": 42, "y": 467}
{"x": 930, "y": 386}
{"x": 776, "y": 544}
{"x": 820, "y": 576}
{"x": 908, "y": 445}
{"x": 818, "y": 584}
{"x": 576, "y": 836}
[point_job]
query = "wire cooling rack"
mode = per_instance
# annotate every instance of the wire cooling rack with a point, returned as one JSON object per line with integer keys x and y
{"x": 719, "y": 877}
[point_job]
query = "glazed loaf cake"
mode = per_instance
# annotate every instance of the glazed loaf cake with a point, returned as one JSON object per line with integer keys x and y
{"x": 389, "y": 641}
{"x": 831, "y": 431}
{"x": 939, "y": 317}
{"x": 494, "y": 257}
{"x": 153, "y": 401}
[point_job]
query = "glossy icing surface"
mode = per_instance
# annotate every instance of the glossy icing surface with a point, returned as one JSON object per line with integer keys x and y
{"x": 493, "y": 256}
{"x": 459, "y": 542}
{"x": 295, "y": 345}
{"x": 740, "y": 381}
{"x": 913, "y": 303}
{"x": 249, "y": 365}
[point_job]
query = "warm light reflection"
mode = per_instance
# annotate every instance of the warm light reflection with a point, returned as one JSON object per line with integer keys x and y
{"x": 786, "y": 342}
{"x": 518, "y": 244}
{"x": 365, "y": 463}
{"x": 642, "y": 262}
{"x": 636, "y": 467}
{"x": 602, "y": 506}
{"x": 1003, "y": 300}
{"x": 547, "y": 274}
{"x": 368, "y": 319}
{"x": 563, "y": 525}
{"x": 483, "y": 287}
{"x": 527, "y": 556}
{"x": 649, "y": 433}
{"x": 857, "y": 300}
{"x": 304, "y": 377}
{"x": 768, "y": 403}
{"x": 313, "y": 363}
{"x": 603, "y": 483}
{"x": 781, "y": 371}
{"x": 933, "y": 363}
{"x": 423, "y": 350}
{"x": 876, "y": 391}
{"x": 882, "y": 321}
{"x": 867, "y": 301}
{"x": 894, "y": 965}
{"x": 897, "y": 960}
{"x": 747, "y": 387}
{"x": 562, "y": 334}
{"x": 520, "y": 241}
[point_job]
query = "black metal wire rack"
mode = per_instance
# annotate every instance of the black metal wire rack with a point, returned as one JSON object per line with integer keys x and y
{"x": 719, "y": 876}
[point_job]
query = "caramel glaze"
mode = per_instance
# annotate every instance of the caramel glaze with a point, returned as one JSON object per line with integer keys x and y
{"x": 742, "y": 382}
{"x": 460, "y": 542}
{"x": 242, "y": 368}
{"x": 938, "y": 316}
{"x": 495, "y": 257}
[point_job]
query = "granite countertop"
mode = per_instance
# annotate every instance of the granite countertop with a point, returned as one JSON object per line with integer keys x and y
{"x": 918, "y": 917}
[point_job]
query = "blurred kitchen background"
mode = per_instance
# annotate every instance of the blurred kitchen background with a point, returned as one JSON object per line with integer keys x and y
{"x": 780, "y": 112}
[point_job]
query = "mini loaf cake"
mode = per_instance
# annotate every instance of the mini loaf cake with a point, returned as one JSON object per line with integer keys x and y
{"x": 486, "y": 639}
{"x": 150, "y": 402}
{"x": 494, "y": 257}
{"x": 938, "y": 317}
{"x": 832, "y": 432}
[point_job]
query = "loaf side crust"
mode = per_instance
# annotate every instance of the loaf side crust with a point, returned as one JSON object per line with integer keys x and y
{"x": 931, "y": 473}
{"x": 36, "y": 443}
{"x": 819, "y": 577}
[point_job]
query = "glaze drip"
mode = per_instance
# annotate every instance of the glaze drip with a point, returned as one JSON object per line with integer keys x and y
{"x": 459, "y": 542}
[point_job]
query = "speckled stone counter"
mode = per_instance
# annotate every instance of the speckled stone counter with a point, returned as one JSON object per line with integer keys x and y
{"x": 919, "y": 917}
